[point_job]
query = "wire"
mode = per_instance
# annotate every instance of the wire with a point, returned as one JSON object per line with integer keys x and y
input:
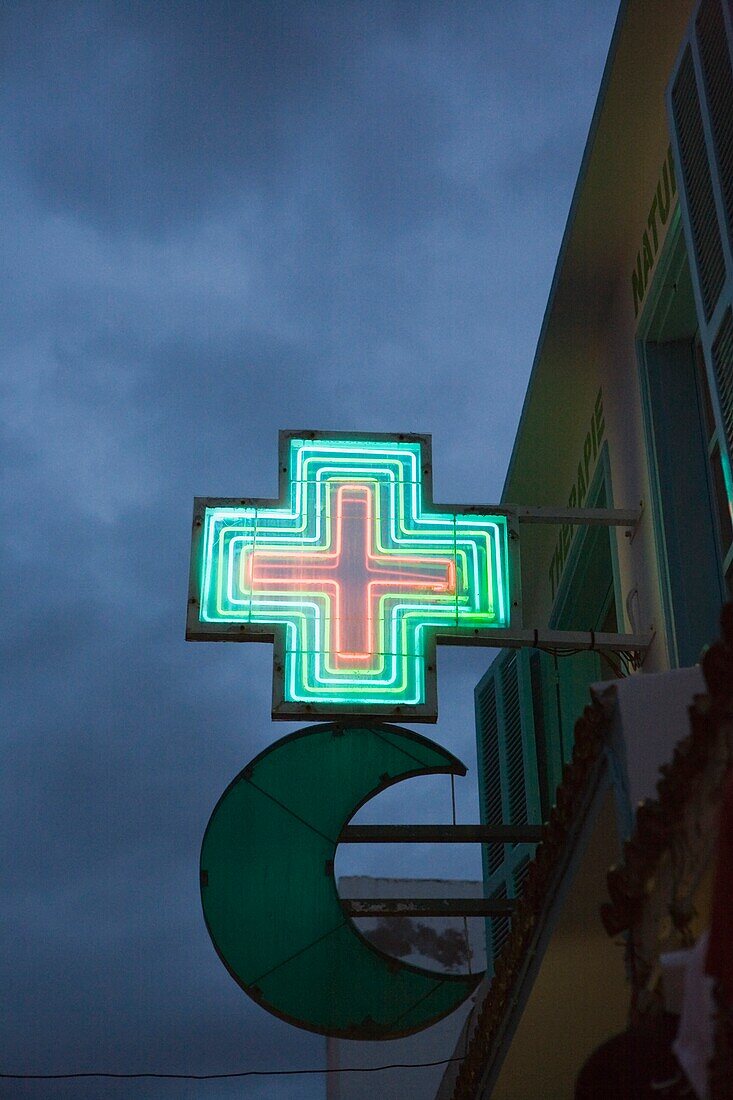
{"x": 222, "y": 1076}
{"x": 560, "y": 651}
{"x": 628, "y": 660}
{"x": 617, "y": 667}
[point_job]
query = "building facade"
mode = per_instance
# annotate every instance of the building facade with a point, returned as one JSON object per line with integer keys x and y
{"x": 629, "y": 405}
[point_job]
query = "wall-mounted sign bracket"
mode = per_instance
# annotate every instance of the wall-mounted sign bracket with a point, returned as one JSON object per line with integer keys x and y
{"x": 590, "y": 517}
{"x": 631, "y": 646}
{"x": 562, "y": 641}
{"x": 435, "y": 834}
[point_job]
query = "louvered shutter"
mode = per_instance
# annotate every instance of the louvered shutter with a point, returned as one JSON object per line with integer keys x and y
{"x": 713, "y": 37}
{"x": 497, "y": 928}
{"x": 547, "y": 734}
{"x": 520, "y": 755}
{"x": 507, "y": 752}
{"x": 700, "y": 109}
{"x": 487, "y": 731}
{"x": 508, "y": 775}
{"x": 514, "y": 755}
{"x": 723, "y": 367}
{"x": 576, "y": 674}
{"x": 521, "y": 870}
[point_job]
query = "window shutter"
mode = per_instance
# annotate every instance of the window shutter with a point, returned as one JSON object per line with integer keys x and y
{"x": 723, "y": 366}
{"x": 506, "y": 744}
{"x": 487, "y": 730}
{"x": 547, "y": 736}
{"x": 520, "y": 755}
{"x": 700, "y": 110}
{"x": 707, "y": 246}
{"x": 576, "y": 674}
{"x": 516, "y": 793}
{"x": 521, "y": 871}
{"x": 498, "y": 928}
{"x": 509, "y": 789}
{"x": 718, "y": 77}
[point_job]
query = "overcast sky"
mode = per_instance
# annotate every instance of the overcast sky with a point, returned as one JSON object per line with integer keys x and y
{"x": 218, "y": 220}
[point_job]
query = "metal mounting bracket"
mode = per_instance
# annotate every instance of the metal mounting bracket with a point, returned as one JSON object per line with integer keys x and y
{"x": 591, "y": 517}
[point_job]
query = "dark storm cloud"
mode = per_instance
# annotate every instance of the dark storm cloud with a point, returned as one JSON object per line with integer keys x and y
{"x": 144, "y": 115}
{"x": 221, "y": 220}
{"x": 133, "y": 114}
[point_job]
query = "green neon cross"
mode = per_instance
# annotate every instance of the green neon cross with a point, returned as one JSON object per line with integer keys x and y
{"x": 352, "y": 572}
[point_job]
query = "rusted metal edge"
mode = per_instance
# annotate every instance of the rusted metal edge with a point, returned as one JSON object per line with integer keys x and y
{"x": 428, "y": 907}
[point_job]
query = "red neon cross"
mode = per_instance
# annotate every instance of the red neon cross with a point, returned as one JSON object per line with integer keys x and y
{"x": 350, "y": 574}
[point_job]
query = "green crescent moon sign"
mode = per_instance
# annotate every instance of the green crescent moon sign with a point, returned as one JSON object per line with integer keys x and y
{"x": 269, "y": 894}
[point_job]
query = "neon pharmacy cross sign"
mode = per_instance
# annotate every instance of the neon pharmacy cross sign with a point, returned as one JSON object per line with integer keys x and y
{"x": 353, "y": 573}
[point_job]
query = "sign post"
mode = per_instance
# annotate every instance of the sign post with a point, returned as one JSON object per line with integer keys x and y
{"x": 354, "y": 573}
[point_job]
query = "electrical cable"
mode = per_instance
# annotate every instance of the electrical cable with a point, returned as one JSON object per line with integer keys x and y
{"x": 619, "y": 669}
{"x": 222, "y": 1076}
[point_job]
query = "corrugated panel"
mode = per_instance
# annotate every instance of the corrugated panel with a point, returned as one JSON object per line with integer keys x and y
{"x": 490, "y": 766}
{"x": 723, "y": 365}
{"x": 716, "y": 66}
{"x": 514, "y": 752}
{"x": 698, "y": 185}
